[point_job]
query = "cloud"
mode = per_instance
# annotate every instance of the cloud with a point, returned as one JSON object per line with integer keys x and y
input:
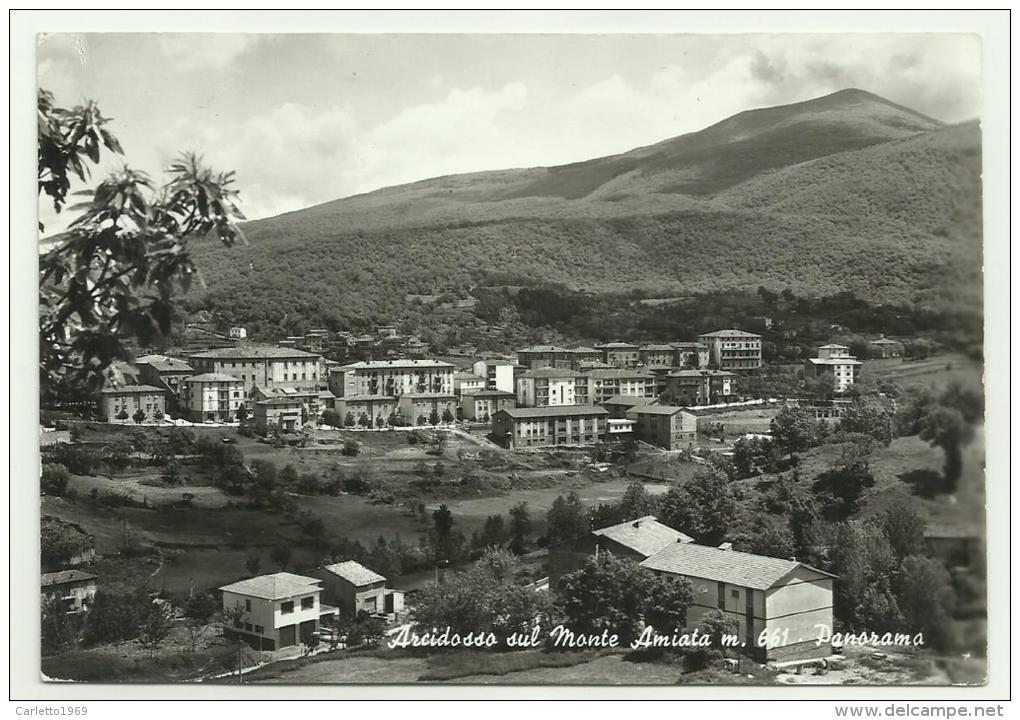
{"x": 206, "y": 51}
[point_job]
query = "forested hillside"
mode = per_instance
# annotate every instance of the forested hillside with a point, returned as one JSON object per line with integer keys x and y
{"x": 843, "y": 193}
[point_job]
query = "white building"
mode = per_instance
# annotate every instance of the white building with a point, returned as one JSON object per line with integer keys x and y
{"x": 498, "y": 374}
{"x": 211, "y": 396}
{"x": 834, "y": 364}
{"x": 275, "y": 611}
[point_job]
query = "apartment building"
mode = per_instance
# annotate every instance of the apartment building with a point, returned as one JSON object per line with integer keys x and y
{"x": 664, "y": 355}
{"x": 481, "y": 405}
{"x": 211, "y": 396}
{"x": 371, "y": 407}
{"x": 620, "y": 354}
{"x": 119, "y": 404}
{"x": 699, "y": 387}
{"x": 542, "y": 356}
{"x": 281, "y": 413}
{"x": 604, "y": 383}
{"x": 392, "y": 378}
{"x": 690, "y": 355}
{"x": 164, "y": 372}
{"x": 834, "y": 365}
{"x": 466, "y": 382}
{"x": 885, "y": 348}
{"x": 666, "y": 426}
{"x": 498, "y": 374}
{"x": 733, "y": 349}
{"x": 266, "y": 366}
{"x": 553, "y": 425}
{"x": 552, "y": 386}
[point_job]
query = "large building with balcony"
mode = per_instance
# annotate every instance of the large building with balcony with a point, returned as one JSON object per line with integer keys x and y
{"x": 733, "y": 349}
{"x": 699, "y": 387}
{"x": 834, "y": 365}
{"x": 481, "y": 405}
{"x": 542, "y": 356}
{"x": 555, "y": 425}
{"x": 666, "y": 426}
{"x": 265, "y": 366}
{"x": 164, "y": 372}
{"x": 392, "y": 378}
{"x": 604, "y": 383}
{"x": 620, "y": 354}
{"x": 498, "y": 374}
{"x": 211, "y": 396}
{"x": 119, "y": 404}
{"x": 552, "y": 386}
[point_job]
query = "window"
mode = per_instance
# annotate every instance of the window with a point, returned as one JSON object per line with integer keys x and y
{"x": 735, "y": 594}
{"x": 287, "y": 607}
{"x": 247, "y": 605}
{"x": 247, "y": 626}
{"x": 722, "y": 596}
{"x": 308, "y": 603}
{"x": 259, "y": 629}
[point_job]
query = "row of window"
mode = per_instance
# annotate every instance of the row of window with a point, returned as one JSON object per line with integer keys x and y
{"x": 307, "y": 603}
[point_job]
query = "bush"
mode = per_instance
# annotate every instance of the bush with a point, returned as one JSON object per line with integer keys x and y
{"x": 351, "y": 448}
{"x": 54, "y": 479}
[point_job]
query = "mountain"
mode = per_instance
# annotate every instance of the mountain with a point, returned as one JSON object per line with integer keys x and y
{"x": 844, "y": 192}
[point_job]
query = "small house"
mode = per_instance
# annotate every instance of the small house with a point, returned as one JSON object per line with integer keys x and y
{"x": 69, "y": 591}
{"x": 275, "y": 611}
{"x": 356, "y": 588}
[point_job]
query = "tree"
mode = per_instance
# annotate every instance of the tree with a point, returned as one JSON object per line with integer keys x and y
{"x": 444, "y": 542}
{"x": 904, "y": 528}
{"x": 122, "y": 415}
{"x": 839, "y": 490}
{"x": 794, "y": 430}
{"x": 115, "y": 616}
{"x": 331, "y": 418}
{"x": 281, "y": 555}
{"x": 54, "y": 479}
{"x": 447, "y": 415}
{"x": 157, "y": 415}
{"x": 351, "y": 448}
{"x": 702, "y": 507}
{"x": 252, "y": 564}
{"x": 139, "y": 416}
{"x": 434, "y": 417}
{"x": 349, "y": 420}
{"x": 114, "y": 275}
{"x": 494, "y": 533}
{"x": 636, "y": 502}
{"x": 520, "y": 527}
{"x": 567, "y": 519}
{"x": 946, "y": 428}
{"x": 666, "y": 602}
{"x": 363, "y": 421}
{"x": 865, "y": 564}
{"x": 927, "y": 599}
{"x": 606, "y": 593}
{"x": 264, "y": 474}
{"x": 171, "y": 474}
{"x": 771, "y": 536}
{"x": 289, "y": 475}
{"x": 198, "y": 610}
{"x": 869, "y": 419}
{"x": 241, "y": 413}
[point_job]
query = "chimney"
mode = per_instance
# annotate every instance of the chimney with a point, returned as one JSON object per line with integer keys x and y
{"x": 726, "y": 546}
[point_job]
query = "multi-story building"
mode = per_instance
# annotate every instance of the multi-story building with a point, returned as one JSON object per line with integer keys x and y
{"x": 552, "y": 386}
{"x": 733, "y": 349}
{"x": 355, "y": 588}
{"x": 482, "y": 404}
{"x": 370, "y": 407}
{"x": 164, "y": 372}
{"x": 421, "y": 408}
{"x": 834, "y": 365}
{"x": 555, "y": 425}
{"x": 541, "y": 356}
{"x": 275, "y": 611}
{"x": 699, "y": 387}
{"x": 620, "y": 354}
{"x": 69, "y": 591}
{"x": 466, "y": 382}
{"x": 282, "y": 413}
{"x": 666, "y": 426}
{"x": 265, "y": 366}
{"x": 657, "y": 355}
{"x": 885, "y": 348}
{"x": 690, "y": 355}
{"x": 604, "y": 383}
{"x": 308, "y": 397}
{"x": 211, "y": 396}
{"x": 585, "y": 357}
{"x": 498, "y": 374}
{"x": 392, "y": 378}
{"x": 127, "y": 400}
{"x": 784, "y": 601}
{"x": 618, "y": 405}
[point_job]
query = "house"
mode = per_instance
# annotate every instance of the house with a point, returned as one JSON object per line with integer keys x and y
{"x": 419, "y": 408}
{"x": 552, "y": 425}
{"x": 371, "y": 407}
{"x": 885, "y": 348}
{"x": 585, "y": 357}
{"x": 498, "y": 374}
{"x": 275, "y": 611}
{"x": 698, "y": 387}
{"x": 118, "y": 404}
{"x": 785, "y": 599}
{"x": 279, "y": 413}
{"x": 666, "y": 426}
{"x": 549, "y": 386}
{"x": 264, "y": 366}
{"x": 211, "y": 396}
{"x": 620, "y": 354}
{"x": 635, "y": 539}
{"x": 238, "y": 333}
{"x": 618, "y": 405}
{"x": 733, "y": 349}
{"x": 481, "y": 405}
{"x": 955, "y": 544}
{"x": 604, "y": 383}
{"x": 355, "y": 588}
{"x": 657, "y": 355}
{"x": 463, "y": 381}
{"x": 307, "y": 396}
{"x": 68, "y": 591}
{"x": 392, "y": 378}
{"x": 690, "y": 354}
{"x": 543, "y": 356}
{"x": 164, "y": 372}
{"x": 835, "y": 366}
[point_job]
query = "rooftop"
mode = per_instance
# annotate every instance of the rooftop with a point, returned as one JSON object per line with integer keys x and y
{"x": 459, "y": 375}
{"x": 729, "y": 566}
{"x": 65, "y": 576}
{"x": 274, "y": 587}
{"x": 483, "y": 392}
{"x": 598, "y": 373}
{"x": 833, "y": 347}
{"x": 400, "y": 363}
{"x": 555, "y": 411}
{"x": 645, "y": 535}
{"x": 163, "y": 363}
{"x": 702, "y": 373}
{"x": 657, "y": 410}
{"x": 846, "y": 360}
{"x": 629, "y": 400}
{"x": 544, "y": 349}
{"x": 132, "y": 389}
{"x": 253, "y": 352}
{"x": 366, "y": 398}
{"x": 885, "y": 341}
{"x": 548, "y": 372}
{"x": 617, "y": 346}
{"x": 692, "y": 345}
{"x": 652, "y": 348}
{"x": 355, "y": 573}
{"x": 212, "y": 377}
{"x": 729, "y": 333}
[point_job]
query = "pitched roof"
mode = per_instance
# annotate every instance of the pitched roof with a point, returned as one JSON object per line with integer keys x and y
{"x": 833, "y": 346}
{"x": 133, "y": 389}
{"x": 885, "y": 341}
{"x": 253, "y": 352}
{"x": 467, "y": 376}
{"x": 657, "y": 410}
{"x": 579, "y": 350}
{"x": 690, "y": 345}
{"x": 355, "y": 573}
{"x": 555, "y": 411}
{"x": 485, "y": 392}
{"x": 702, "y": 373}
{"x": 617, "y": 346}
{"x": 619, "y": 373}
{"x": 645, "y": 535}
{"x": 544, "y": 349}
{"x": 366, "y": 398}
{"x": 399, "y": 363}
{"x": 275, "y": 586}
{"x": 163, "y": 363}
{"x": 729, "y": 333}
{"x": 629, "y": 400}
{"x": 835, "y": 361}
{"x": 548, "y": 372}
{"x": 650, "y": 348}
{"x": 212, "y": 377}
{"x": 728, "y": 566}
{"x": 65, "y": 576}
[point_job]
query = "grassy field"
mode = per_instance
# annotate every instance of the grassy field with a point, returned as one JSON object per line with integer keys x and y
{"x": 936, "y": 371}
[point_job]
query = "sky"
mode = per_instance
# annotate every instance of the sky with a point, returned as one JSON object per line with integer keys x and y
{"x": 305, "y": 119}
